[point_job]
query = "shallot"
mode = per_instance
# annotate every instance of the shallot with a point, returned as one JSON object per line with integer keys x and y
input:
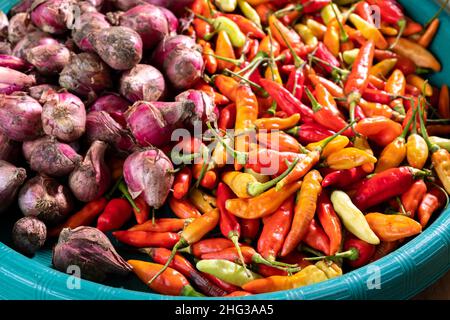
{"x": 166, "y": 46}
{"x": 49, "y": 59}
{"x": 29, "y": 235}
{"x": 19, "y": 26}
{"x": 86, "y": 24}
{"x": 184, "y": 67}
{"x": 143, "y": 82}
{"x": 52, "y": 16}
{"x": 9, "y": 149}
{"x": 11, "y": 178}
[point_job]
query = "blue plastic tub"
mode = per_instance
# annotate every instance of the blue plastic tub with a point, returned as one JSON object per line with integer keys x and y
{"x": 400, "y": 275}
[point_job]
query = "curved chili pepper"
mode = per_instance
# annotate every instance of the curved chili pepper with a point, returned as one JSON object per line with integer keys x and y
{"x": 431, "y": 202}
{"x": 337, "y": 144}
{"x": 227, "y": 271}
{"x": 202, "y": 28}
{"x": 343, "y": 178}
{"x": 142, "y": 239}
{"x": 310, "y": 133}
{"x": 227, "y": 117}
{"x": 316, "y": 238}
{"x": 207, "y": 245}
{"x": 117, "y": 212}
{"x": 365, "y": 251}
{"x": 226, "y": 86}
{"x": 209, "y": 178}
{"x": 277, "y": 123}
{"x": 275, "y": 230}
{"x": 279, "y": 141}
{"x": 220, "y": 283}
{"x": 392, "y": 227}
{"x": 183, "y": 266}
{"x": 364, "y": 10}
{"x": 379, "y": 129}
{"x": 170, "y": 283}
{"x": 412, "y": 198}
{"x": 161, "y": 225}
{"x": 183, "y": 208}
{"x": 247, "y": 26}
{"x": 211, "y": 63}
{"x": 281, "y": 32}
{"x": 224, "y": 48}
{"x": 418, "y": 54}
{"x": 396, "y": 85}
{"x": 330, "y": 223}
{"x": 182, "y": 183}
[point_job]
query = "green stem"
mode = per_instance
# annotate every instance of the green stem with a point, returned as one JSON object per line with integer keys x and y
{"x": 329, "y": 139}
{"x": 288, "y": 10}
{"x": 410, "y": 121}
{"x": 273, "y": 108}
{"x": 180, "y": 243}
{"x": 114, "y": 188}
{"x": 423, "y": 130}
{"x": 342, "y": 72}
{"x": 253, "y": 84}
{"x": 437, "y": 14}
{"x": 236, "y": 62}
{"x": 241, "y": 157}
{"x": 308, "y": 249}
{"x": 124, "y": 189}
{"x": 344, "y": 35}
{"x": 401, "y": 206}
{"x": 298, "y": 62}
{"x": 234, "y": 237}
{"x": 315, "y": 104}
{"x": 189, "y": 291}
{"x": 351, "y": 254}
{"x": 402, "y": 24}
{"x": 256, "y": 188}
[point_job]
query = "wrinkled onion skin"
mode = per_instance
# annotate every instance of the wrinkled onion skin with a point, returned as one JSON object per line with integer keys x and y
{"x": 32, "y": 40}
{"x": 168, "y": 44}
{"x": 148, "y": 172}
{"x": 49, "y": 59}
{"x": 29, "y": 235}
{"x": 143, "y": 82}
{"x": 113, "y": 104}
{"x": 11, "y": 179}
{"x": 184, "y": 67}
{"x": 52, "y": 16}
{"x": 46, "y": 199}
{"x": 20, "y": 117}
{"x": 19, "y": 26}
{"x": 85, "y": 25}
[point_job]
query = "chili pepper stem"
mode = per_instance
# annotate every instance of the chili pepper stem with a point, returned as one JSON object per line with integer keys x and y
{"x": 344, "y": 35}
{"x": 287, "y": 10}
{"x": 257, "y": 188}
{"x": 329, "y": 139}
{"x": 351, "y": 254}
{"x": 308, "y": 249}
{"x": 234, "y": 237}
{"x": 240, "y": 157}
{"x": 423, "y": 130}
{"x": 202, "y": 174}
{"x": 437, "y": 14}
{"x": 189, "y": 291}
{"x": 236, "y": 62}
{"x": 298, "y": 62}
{"x": 123, "y": 188}
{"x": 402, "y": 24}
{"x": 402, "y": 207}
{"x": 344, "y": 73}
{"x": 114, "y": 188}
{"x": 315, "y": 105}
{"x": 244, "y": 79}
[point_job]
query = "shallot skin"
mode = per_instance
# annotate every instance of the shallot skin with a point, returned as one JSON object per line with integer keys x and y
{"x": 184, "y": 67}
{"x": 85, "y": 25}
{"x": 9, "y": 149}
{"x": 168, "y": 44}
{"x": 143, "y": 82}
{"x": 11, "y": 179}
{"x": 19, "y": 26}
{"x": 29, "y": 235}
{"x": 49, "y": 59}
{"x": 52, "y": 16}
{"x": 32, "y": 40}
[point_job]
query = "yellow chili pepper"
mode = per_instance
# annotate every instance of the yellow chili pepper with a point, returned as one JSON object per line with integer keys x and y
{"x": 393, "y": 227}
{"x": 349, "y": 158}
{"x": 420, "y": 83}
{"x": 362, "y": 143}
{"x": 416, "y": 151}
{"x": 316, "y": 28}
{"x": 307, "y": 34}
{"x": 337, "y": 144}
{"x": 277, "y": 123}
{"x": 272, "y": 73}
{"x": 383, "y": 68}
{"x": 331, "y": 269}
{"x": 249, "y": 12}
{"x": 328, "y": 13}
{"x": 387, "y": 30}
{"x": 369, "y": 31}
{"x": 349, "y": 56}
{"x": 226, "y": 5}
{"x": 202, "y": 201}
{"x": 396, "y": 85}
{"x": 331, "y": 39}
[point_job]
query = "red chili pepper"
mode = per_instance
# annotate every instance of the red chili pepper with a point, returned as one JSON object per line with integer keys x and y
{"x": 266, "y": 159}
{"x": 385, "y": 185}
{"x": 330, "y": 222}
{"x": 391, "y": 12}
{"x": 275, "y": 229}
{"x": 143, "y": 239}
{"x": 238, "y": 294}
{"x": 183, "y": 266}
{"x": 227, "y": 117}
{"x": 210, "y": 245}
{"x": 143, "y": 213}
{"x": 183, "y": 208}
{"x": 364, "y": 10}
{"x": 295, "y": 82}
{"x": 317, "y": 238}
{"x": 249, "y": 229}
{"x": 310, "y": 133}
{"x": 116, "y": 214}
{"x": 247, "y": 26}
{"x": 229, "y": 288}
{"x": 161, "y": 225}
{"x": 323, "y": 53}
{"x": 333, "y": 88}
{"x": 287, "y": 101}
{"x": 343, "y": 178}
{"x": 182, "y": 183}
{"x": 364, "y": 249}
{"x": 432, "y": 201}
{"x": 379, "y": 96}
{"x": 412, "y": 198}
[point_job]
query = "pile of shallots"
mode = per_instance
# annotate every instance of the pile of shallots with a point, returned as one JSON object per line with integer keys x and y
{"x": 81, "y": 82}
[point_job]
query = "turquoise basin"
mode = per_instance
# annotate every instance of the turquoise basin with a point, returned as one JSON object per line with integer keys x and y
{"x": 400, "y": 275}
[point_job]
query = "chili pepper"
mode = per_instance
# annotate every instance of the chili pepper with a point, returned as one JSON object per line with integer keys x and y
{"x": 310, "y": 133}
{"x": 364, "y": 10}
{"x": 374, "y": 109}
{"x": 352, "y": 218}
{"x": 218, "y": 98}
{"x": 427, "y": 37}
{"x": 183, "y": 208}
{"x": 207, "y": 245}
{"x": 275, "y": 230}
{"x": 279, "y": 141}
{"x": 361, "y": 142}
{"x": 441, "y": 142}
{"x": 227, "y": 117}
{"x": 270, "y": 162}
{"x": 238, "y": 294}
{"x": 355, "y": 35}
{"x": 141, "y": 210}
{"x": 287, "y": 101}
{"x": 117, "y": 212}
{"x": 416, "y": 149}
{"x": 278, "y": 29}
{"x": 377, "y": 82}
{"x": 182, "y": 183}
{"x": 324, "y": 54}
{"x": 304, "y": 211}
{"x": 194, "y": 232}
{"x": 141, "y": 239}
{"x": 337, "y": 144}
{"x": 247, "y": 26}
{"x": 317, "y": 238}
{"x": 412, "y": 198}
{"x": 444, "y": 105}
{"x": 432, "y": 201}
{"x": 170, "y": 283}
{"x": 392, "y": 13}
{"x": 396, "y": 85}
{"x": 269, "y": 46}
{"x": 227, "y": 287}
{"x": 208, "y": 179}
{"x": 420, "y": 83}
{"x": 161, "y": 225}
{"x": 348, "y": 158}
{"x": 226, "y": 5}
{"x": 389, "y": 227}
{"x": 325, "y": 116}
{"x": 359, "y": 77}
{"x": 317, "y": 28}
{"x": 224, "y": 48}
{"x": 326, "y": 99}
{"x": 249, "y": 12}
{"x": 379, "y": 129}
{"x": 249, "y": 229}
{"x": 310, "y": 275}
{"x": 379, "y": 96}
{"x": 183, "y": 266}
{"x": 277, "y": 123}
{"x": 211, "y": 62}
{"x": 365, "y": 251}
{"x": 418, "y": 54}
{"x": 331, "y": 39}
{"x": 202, "y": 28}
{"x": 383, "y": 68}
{"x": 202, "y": 201}
{"x": 227, "y": 271}
{"x": 383, "y": 249}
{"x": 369, "y": 31}
{"x": 272, "y": 73}
{"x": 306, "y": 34}
{"x": 262, "y": 205}
{"x": 298, "y": 258}
{"x": 344, "y": 178}
{"x": 330, "y": 222}
{"x": 395, "y": 152}
{"x": 84, "y": 217}
{"x": 385, "y": 185}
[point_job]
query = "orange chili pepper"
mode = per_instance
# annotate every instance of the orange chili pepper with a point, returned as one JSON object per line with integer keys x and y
{"x": 331, "y": 39}
{"x": 348, "y": 158}
{"x": 427, "y": 37}
{"x": 182, "y": 183}
{"x": 226, "y": 86}
{"x": 224, "y": 48}
{"x": 304, "y": 211}
{"x": 202, "y": 28}
{"x": 330, "y": 222}
{"x": 431, "y": 202}
{"x": 396, "y": 85}
{"x": 161, "y": 225}
{"x": 278, "y": 123}
{"x": 211, "y": 63}
{"x": 269, "y": 46}
{"x": 374, "y": 109}
{"x": 412, "y": 198}
{"x": 392, "y": 227}
{"x": 292, "y": 37}
{"x": 183, "y": 208}
{"x": 412, "y": 27}
{"x": 444, "y": 105}
{"x": 209, "y": 179}
{"x": 379, "y": 129}
{"x": 279, "y": 141}
{"x": 264, "y": 10}
{"x": 141, "y": 210}
{"x": 326, "y": 99}
{"x": 218, "y": 98}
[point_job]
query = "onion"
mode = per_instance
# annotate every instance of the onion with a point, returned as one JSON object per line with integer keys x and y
{"x": 11, "y": 178}
{"x": 9, "y": 149}
{"x": 39, "y": 92}
{"x": 92, "y": 177}
{"x": 205, "y": 110}
{"x": 21, "y": 6}
{"x": 171, "y": 20}
{"x": 49, "y": 59}
{"x": 184, "y": 67}
{"x": 5, "y": 48}
{"x": 148, "y": 172}
{"x": 53, "y": 16}
{"x": 29, "y": 235}
{"x": 152, "y": 123}
{"x": 143, "y": 82}
{"x": 20, "y": 117}
{"x": 125, "y": 5}
{"x": 50, "y": 157}
{"x": 64, "y": 116}
{"x": 113, "y": 104}
{"x": 167, "y": 45}
{"x": 148, "y": 21}
{"x": 4, "y": 23}
{"x": 46, "y": 199}
{"x": 12, "y": 80}
{"x": 19, "y": 26}
{"x": 85, "y": 25}
{"x": 101, "y": 126}
{"x": 86, "y": 75}
{"x": 119, "y": 47}
{"x": 31, "y": 40}
{"x": 12, "y": 62}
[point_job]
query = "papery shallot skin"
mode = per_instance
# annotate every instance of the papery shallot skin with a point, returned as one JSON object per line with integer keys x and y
{"x": 11, "y": 179}
{"x": 86, "y": 24}
{"x": 40, "y": 92}
{"x": 90, "y": 250}
{"x": 205, "y": 109}
{"x": 46, "y": 199}
{"x": 86, "y": 75}
{"x": 148, "y": 21}
{"x": 113, "y": 104}
{"x": 51, "y": 157}
{"x": 29, "y": 235}
{"x": 172, "y": 20}
{"x": 184, "y": 67}
{"x": 20, "y": 117}
{"x": 49, "y": 59}
{"x": 119, "y": 47}
{"x": 13, "y": 62}
{"x": 168, "y": 44}
{"x": 19, "y": 26}
{"x": 14, "y": 81}
{"x": 143, "y": 82}
{"x": 91, "y": 179}
{"x": 149, "y": 172}
{"x": 32, "y": 40}
{"x": 53, "y": 16}
{"x": 9, "y": 149}
{"x": 64, "y": 116}
{"x": 21, "y": 6}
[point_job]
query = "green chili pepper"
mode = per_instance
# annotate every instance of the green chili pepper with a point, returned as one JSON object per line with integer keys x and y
{"x": 329, "y": 14}
{"x": 349, "y": 56}
{"x": 249, "y": 12}
{"x": 226, "y": 5}
{"x": 352, "y": 218}
{"x": 306, "y": 34}
{"x": 227, "y": 271}
{"x": 441, "y": 142}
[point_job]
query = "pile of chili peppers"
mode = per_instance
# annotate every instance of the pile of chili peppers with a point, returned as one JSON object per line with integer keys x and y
{"x": 341, "y": 109}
